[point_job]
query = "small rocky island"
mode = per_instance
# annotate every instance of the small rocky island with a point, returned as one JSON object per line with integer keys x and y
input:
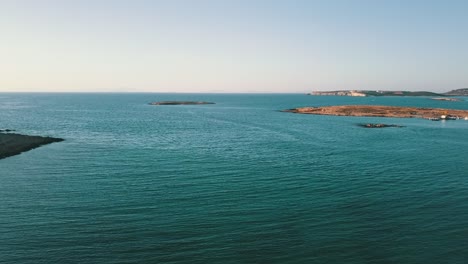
{"x": 371, "y": 125}
{"x": 13, "y": 144}
{"x": 382, "y": 111}
{"x": 447, "y": 99}
{"x": 180, "y": 103}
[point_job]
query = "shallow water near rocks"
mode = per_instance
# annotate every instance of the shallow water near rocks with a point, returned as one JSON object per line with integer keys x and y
{"x": 233, "y": 182}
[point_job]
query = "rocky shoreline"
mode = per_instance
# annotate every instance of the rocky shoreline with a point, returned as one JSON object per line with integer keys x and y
{"x": 13, "y": 144}
{"x": 380, "y": 111}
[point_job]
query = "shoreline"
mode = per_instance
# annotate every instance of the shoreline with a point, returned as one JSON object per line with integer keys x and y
{"x": 12, "y": 144}
{"x": 380, "y": 111}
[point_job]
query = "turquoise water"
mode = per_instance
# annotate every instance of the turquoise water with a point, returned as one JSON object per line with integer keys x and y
{"x": 234, "y": 182}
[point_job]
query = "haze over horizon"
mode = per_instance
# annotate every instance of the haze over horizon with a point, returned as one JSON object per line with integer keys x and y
{"x": 232, "y": 46}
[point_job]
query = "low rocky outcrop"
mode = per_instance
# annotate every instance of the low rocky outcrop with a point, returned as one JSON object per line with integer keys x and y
{"x": 13, "y": 144}
{"x": 447, "y": 99}
{"x": 371, "y": 125}
{"x": 380, "y": 111}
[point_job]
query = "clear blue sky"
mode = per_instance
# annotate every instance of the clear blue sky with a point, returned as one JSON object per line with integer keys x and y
{"x": 232, "y": 45}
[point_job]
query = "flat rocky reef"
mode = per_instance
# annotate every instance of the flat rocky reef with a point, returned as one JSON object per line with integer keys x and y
{"x": 379, "y": 125}
{"x": 381, "y": 111}
{"x": 13, "y": 144}
{"x": 180, "y": 103}
{"x": 450, "y": 99}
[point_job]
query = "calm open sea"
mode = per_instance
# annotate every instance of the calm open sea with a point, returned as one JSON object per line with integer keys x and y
{"x": 234, "y": 182}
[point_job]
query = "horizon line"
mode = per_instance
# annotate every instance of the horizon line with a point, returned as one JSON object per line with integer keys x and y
{"x": 218, "y": 92}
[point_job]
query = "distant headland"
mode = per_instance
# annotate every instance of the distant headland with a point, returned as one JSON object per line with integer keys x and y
{"x": 457, "y": 92}
{"x": 13, "y": 144}
{"x": 383, "y": 111}
{"x": 180, "y": 103}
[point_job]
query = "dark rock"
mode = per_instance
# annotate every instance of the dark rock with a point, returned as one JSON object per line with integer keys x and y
{"x": 13, "y": 144}
{"x": 370, "y": 125}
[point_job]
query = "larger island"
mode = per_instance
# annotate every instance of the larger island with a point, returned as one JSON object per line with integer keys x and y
{"x": 382, "y": 111}
{"x": 14, "y": 144}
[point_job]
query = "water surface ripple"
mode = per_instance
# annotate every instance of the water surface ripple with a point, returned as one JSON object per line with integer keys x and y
{"x": 234, "y": 182}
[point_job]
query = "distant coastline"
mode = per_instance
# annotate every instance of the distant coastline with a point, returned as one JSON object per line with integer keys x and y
{"x": 457, "y": 92}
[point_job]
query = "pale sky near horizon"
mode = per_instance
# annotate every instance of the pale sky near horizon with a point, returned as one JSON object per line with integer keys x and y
{"x": 232, "y": 45}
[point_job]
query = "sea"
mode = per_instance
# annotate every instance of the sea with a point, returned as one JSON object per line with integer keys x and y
{"x": 238, "y": 181}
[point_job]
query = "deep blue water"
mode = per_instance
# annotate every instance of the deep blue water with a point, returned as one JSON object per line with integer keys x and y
{"x": 234, "y": 182}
